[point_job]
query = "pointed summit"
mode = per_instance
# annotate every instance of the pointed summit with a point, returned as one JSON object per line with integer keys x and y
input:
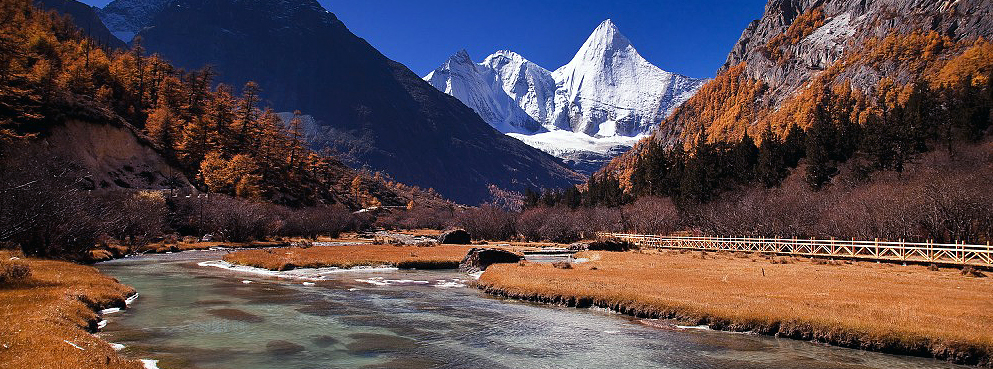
{"x": 605, "y": 38}
{"x": 461, "y": 57}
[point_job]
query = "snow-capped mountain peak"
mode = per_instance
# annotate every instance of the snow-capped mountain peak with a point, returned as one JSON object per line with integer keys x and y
{"x": 481, "y": 88}
{"x": 605, "y": 40}
{"x": 607, "y": 90}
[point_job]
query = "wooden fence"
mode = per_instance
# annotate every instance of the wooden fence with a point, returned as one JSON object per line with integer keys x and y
{"x": 908, "y": 252}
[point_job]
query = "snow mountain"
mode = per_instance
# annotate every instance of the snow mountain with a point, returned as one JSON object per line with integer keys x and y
{"x": 126, "y": 18}
{"x": 481, "y": 88}
{"x": 607, "y": 97}
{"x": 609, "y": 89}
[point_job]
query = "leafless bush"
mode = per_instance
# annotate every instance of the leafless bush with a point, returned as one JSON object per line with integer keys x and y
{"x": 317, "y": 221}
{"x": 558, "y": 224}
{"x": 653, "y": 215}
{"x": 43, "y": 207}
{"x": 133, "y": 217}
{"x": 419, "y": 216}
{"x": 487, "y": 222}
{"x": 562, "y": 265}
{"x": 238, "y": 220}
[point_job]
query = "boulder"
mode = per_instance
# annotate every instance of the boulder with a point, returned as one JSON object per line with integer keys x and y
{"x": 611, "y": 245}
{"x": 579, "y": 246}
{"x": 455, "y": 237}
{"x": 478, "y": 259}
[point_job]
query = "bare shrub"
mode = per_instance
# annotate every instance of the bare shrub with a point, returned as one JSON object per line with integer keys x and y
{"x": 12, "y": 272}
{"x": 562, "y": 265}
{"x": 43, "y": 207}
{"x": 548, "y": 224}
{"x": 487, "y": 222}
{"x": 653, "y": 215}
{"x": 134, "y": 217}
{"x": 318, "y": 221}
{"x": 238, "y": 220}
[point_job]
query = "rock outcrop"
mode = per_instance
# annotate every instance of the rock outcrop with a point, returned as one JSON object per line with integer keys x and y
{"x": 455, "y": 237}
{"x": 478, "y": 259}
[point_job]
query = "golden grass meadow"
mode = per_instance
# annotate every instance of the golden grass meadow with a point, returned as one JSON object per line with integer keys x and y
{"x": 880, "y": 307}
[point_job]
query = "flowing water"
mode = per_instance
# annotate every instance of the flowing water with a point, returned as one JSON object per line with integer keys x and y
{"x": 189, "y": 315}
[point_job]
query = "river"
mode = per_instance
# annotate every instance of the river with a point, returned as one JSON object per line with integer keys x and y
{"x": 188, "y": 315}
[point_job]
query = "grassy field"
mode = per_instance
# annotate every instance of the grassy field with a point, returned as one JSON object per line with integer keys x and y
{"x": 420, "y": 257}
{"x": 880, "y": 307}
{"x": 52, "y": 308}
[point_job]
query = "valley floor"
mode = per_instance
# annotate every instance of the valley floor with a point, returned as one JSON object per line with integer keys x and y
{"x": 889, "y": 308}
{"x": 49, "y": 316}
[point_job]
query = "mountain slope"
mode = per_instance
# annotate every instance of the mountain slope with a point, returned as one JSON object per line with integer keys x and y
{"x": 304, "y": 58}
{"x": 125, "y": 18}
{"x": 837, "y": 63}
{"x": 85, "y": 18}
{"x": 797, "y": 41}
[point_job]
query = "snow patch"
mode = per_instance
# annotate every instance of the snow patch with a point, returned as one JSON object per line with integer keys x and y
{"x": 102, "y": 324}
{"x": 117, "y": 346}
{"x": 74, "y": 345}
{"x": 559, "y": 143}
{"x": 110, "y": 311}
{"x": 703, "y": 327}
{"x": 380, "y": 281}
{"x": 150, "y": 364}
{"x": 309, "y": 274}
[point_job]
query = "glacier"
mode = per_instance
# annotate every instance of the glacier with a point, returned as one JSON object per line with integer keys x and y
{"x": 606, "y": 98}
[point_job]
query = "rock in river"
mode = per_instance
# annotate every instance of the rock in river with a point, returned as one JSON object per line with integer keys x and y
{"x": 478, "y": 259}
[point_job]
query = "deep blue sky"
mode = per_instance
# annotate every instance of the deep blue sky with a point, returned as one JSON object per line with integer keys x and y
{"x": 686, "y": 37}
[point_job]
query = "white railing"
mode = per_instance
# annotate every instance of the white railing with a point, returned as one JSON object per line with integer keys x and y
{"x": 915, "y": 252}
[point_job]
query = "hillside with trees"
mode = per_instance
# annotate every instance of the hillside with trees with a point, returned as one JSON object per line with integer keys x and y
{"x": 62, "y": 187}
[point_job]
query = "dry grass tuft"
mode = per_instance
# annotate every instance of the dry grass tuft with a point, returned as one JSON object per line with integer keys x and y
{"x": 52, "y": 306}
{"x": 896, "y": 309}
{"x": 401, "y": 256}
{"x": 13, "y": 271}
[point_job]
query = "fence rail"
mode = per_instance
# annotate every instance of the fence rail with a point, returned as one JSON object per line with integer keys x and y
{"x": 908, "y": 252}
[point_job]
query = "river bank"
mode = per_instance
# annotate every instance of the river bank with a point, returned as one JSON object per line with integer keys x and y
{"x": 905, "y": 310}
{"x": 49, "y": 317}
